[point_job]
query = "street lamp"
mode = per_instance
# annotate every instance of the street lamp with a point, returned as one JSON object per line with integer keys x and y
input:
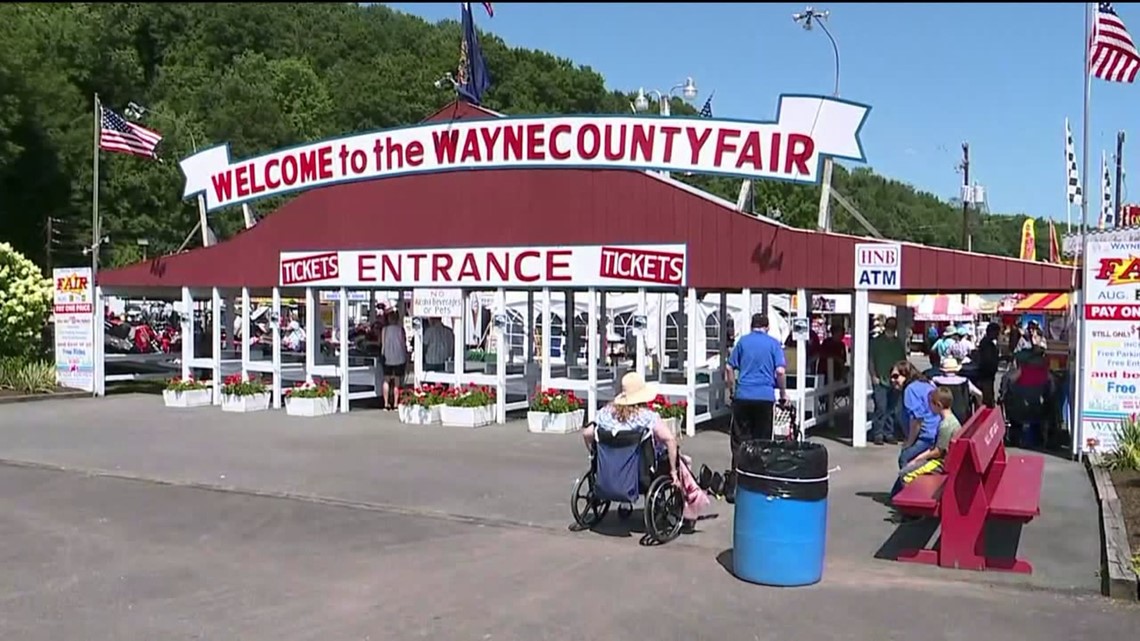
{"x": 808, "y": 18}
{"x": 688, "y": 91}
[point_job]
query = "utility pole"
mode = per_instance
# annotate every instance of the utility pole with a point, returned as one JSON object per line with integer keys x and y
{"x": 967, "y": 196}
{"x": 1119, "y": 178}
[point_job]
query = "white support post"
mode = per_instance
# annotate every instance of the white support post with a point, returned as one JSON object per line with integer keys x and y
{"x": 592, "y": 353}
{"x": 187, "y": 331}
{"x": 216, "y": 340}
{"x": 691, "y": 326}
{"x": 312, "y": 310}
{"x": 459, "y": 350}
{"x": 245, "y": 313}
{"x": 418, "y": 352}
{"x": 342, "y": 365}
{"x": 546, "y": 340}
{"x": 528, "y": 341}
{"x": 716, "y": 379}
{"x": 802, "y": 307}
{"x": 99, "y": 355}
{"x": 861, "y": 340}
{"x": 501, "y": 350}
{"x": 639, "y": 353}
{"x": 275, "y": 331}
{"x": 744, "y": 319}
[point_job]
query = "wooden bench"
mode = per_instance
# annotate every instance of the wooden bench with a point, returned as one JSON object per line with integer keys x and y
{"x": 981, "y": 483}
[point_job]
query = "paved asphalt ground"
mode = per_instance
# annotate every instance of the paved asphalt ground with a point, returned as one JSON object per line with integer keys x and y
{"x": 121, "y": 520}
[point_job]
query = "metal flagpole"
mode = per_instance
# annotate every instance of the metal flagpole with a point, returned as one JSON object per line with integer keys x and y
{"x": 95, "y": 232}
{"x": 1078, "y": 429}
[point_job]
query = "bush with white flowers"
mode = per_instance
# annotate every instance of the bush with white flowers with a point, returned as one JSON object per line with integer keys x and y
{"x": 25, "y": 300}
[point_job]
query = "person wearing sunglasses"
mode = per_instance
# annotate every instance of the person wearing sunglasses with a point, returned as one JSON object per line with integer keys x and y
{"x": 920, "y": 420}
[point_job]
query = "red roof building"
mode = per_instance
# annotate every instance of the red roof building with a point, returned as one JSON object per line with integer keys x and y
{"x": 727, "y": 249}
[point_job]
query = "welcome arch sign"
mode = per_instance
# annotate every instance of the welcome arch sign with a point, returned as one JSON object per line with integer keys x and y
{"x": 806, "y": 130}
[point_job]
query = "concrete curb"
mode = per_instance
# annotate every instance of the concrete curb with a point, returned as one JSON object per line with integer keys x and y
{"x": 1118, "y": 580}
{"x": 53, "y": 396}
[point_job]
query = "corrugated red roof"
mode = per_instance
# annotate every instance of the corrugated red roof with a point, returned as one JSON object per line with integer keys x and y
{"x": 727, "y": 249}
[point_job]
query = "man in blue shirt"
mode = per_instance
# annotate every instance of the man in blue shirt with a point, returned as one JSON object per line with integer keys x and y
{"x": 756, "y": 367}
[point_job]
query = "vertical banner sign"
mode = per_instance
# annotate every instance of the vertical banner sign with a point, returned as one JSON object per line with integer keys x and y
{"x": 73, "y": 292}
{"x": 1111, "y": 340}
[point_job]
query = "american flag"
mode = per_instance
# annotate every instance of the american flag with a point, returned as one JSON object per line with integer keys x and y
{"x": 489, "y": 7}
{"x": 1112, "y": 56}
{"x": 706, "y": 111}
{"x": 116, "y": 134}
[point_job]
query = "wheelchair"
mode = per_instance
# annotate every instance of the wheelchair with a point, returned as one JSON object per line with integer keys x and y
{"x": 624, "y": 467}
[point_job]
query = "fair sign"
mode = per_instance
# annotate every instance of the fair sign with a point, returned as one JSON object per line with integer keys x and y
{"x": 489, "y": 267}
{"x": 1111, "y": 339}
{"x": 807, "y": 129}
{"x": 73, "y": 311}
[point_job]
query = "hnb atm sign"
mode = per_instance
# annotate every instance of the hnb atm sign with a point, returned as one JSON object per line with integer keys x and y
{"x": 878, "y": 266}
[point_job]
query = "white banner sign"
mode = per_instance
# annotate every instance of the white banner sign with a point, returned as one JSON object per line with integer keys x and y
{"x": 807, "y": 128}
{"x": 878, "y": 266}
{"x": 74, "y": 313}
{"x": 444, "y": 303}
{"x": 487, "y": 267}
{"x": 1111, "y": 340}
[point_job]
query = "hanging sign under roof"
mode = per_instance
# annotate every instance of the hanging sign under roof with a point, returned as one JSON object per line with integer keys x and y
{"x": 807, "y": 129}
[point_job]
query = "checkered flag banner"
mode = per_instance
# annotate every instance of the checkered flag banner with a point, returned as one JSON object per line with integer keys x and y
{"x": 1106, "y": 218}
{"x": 1076, "y": 197}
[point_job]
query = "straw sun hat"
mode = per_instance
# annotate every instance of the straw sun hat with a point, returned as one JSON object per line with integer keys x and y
{"x": 950, "y": 365}
{"x": 635, "y": 391}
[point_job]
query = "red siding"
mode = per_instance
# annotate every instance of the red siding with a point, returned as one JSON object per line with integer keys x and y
{"x": 727, "y": 249}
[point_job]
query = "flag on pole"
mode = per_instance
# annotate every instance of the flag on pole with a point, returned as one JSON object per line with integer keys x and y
{"x": 1074, "y": 190}
{"x": 472, "y": 79}
{"x": 706, "y": 111}
{"x": 1028, "y": 241}
{"x": 1106, "y": 196}
{"x": 1112, "y": 55}
{"x": 1054, "y": 245}
{"x": 121, "y": 136}
{"x": 490, "y": 8}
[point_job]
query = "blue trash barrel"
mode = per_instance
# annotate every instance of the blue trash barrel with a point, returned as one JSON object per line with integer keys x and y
{"x": 779, "y": 533}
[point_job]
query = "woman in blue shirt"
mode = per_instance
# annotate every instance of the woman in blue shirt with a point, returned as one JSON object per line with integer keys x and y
{"x": 920, "y": 420}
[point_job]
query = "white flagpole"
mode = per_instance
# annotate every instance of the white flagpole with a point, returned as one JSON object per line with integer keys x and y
{"x": 95, "y": 232}
{"x": 1078, "y": 429}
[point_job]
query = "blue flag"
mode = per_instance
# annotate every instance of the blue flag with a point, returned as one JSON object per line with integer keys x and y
{"x": 472, "y": 77}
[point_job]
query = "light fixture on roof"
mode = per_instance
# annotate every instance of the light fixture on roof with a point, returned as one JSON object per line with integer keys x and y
{"x": 641, "y": 102}
{"x": 689, "y": 89}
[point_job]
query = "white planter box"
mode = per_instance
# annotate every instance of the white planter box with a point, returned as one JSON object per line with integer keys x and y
{"x": 674, "y": 425}
{"x": 547, "y": 423}
{"x": 188, "y": 398}
{"x": 467, "y": 416}
{"x": 419, "y": 415}
{"x": 250, "y": 403}
{"x": 310, "y": 406}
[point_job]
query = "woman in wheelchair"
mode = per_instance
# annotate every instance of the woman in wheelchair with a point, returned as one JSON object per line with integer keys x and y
{"x": 632, "y": 454}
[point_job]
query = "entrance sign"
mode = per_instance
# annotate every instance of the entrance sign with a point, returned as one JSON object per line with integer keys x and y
{"x": 488, "y": 267}
{"x": 807, "y": 129}
{"x": 444, "y": 303}
{"x": 1111, "y": 340}
{"x": 73, "y": 309}
{"x": 878, "y": 266}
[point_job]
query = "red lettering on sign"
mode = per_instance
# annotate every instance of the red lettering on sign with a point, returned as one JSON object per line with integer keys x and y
{"x": 665, "y": 268}
{"x": 309, "y": 269}
{"x": 1112, "y": 312}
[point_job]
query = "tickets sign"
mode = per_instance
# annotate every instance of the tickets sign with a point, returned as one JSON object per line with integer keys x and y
{"x": 807, "y": 129}
{"x": 488, "y": 267}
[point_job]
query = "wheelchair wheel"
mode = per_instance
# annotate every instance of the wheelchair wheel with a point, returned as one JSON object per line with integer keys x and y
{"x": 587, "y": 510}
{"x": 664, "y": 510}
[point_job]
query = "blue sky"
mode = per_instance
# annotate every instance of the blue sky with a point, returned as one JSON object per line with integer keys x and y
{"x": 1002, "y": 76}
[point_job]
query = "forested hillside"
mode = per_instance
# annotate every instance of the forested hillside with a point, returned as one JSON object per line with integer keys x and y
{"x": 264, "y": 76}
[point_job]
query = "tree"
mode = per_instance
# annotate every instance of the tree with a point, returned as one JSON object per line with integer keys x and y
{"x": 263, "y": 76}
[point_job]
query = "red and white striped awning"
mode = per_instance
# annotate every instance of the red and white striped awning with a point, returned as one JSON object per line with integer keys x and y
{"x": 941, "y": 308}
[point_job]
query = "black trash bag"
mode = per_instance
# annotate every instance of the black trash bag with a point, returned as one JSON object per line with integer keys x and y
{"x": 762, "y": 465}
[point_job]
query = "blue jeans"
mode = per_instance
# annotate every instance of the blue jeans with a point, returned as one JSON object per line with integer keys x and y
{"x": 906, "y": 454}
{"x": 884, "y": 420}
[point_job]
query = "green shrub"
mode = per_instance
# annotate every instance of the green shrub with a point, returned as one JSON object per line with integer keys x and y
{"x": 27, "y": 377}
{"x": 25, "y": 300}
{"x": 1126, "y": 455}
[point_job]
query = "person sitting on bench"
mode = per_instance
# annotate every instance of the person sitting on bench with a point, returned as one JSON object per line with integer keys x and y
{"x": 930, "y": 461}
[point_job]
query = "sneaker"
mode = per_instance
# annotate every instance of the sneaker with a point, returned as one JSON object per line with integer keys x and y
{"x": 878, "y": 440}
